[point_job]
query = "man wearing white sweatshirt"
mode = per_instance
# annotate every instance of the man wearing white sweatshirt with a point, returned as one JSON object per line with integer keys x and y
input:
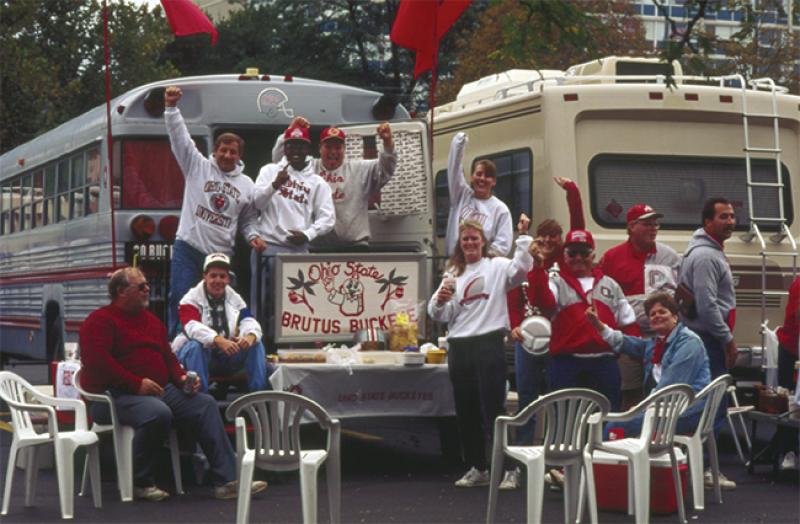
{"x": 216, "y": 195}
{"x": 296, "y": 207}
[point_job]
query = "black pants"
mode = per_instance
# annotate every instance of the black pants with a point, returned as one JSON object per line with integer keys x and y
{"x": 477, "y": 370}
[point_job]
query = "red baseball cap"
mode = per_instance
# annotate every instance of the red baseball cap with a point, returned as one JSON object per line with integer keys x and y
{"x": 641, "y": 212}
{"x": 297, "y": 133}
{"x": 579, "y": 236}
{"x": 330, "y": 133}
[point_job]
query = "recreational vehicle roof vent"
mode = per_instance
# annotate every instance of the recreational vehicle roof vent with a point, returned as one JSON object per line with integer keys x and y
{"x": 613, "y": 69}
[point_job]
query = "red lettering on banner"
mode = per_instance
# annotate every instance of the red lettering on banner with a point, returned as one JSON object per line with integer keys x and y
{"x": 358, "y": 269}
{"x": 297, "y": 322}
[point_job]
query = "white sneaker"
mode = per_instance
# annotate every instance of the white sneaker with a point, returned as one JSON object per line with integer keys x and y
{"x": 511, "y": 480}
{"x": 789, "y": 461}
{"x": 473, "y": 478}
{"x": 724, "y": 482}
{"x": 150, "y": 493}
{"x": 554, "y": 478}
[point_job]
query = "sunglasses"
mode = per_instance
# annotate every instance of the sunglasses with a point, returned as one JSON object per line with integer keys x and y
{"x": 578, "y": 252}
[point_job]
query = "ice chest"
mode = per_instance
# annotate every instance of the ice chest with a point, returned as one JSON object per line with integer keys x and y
{"x": 611, "y": 482}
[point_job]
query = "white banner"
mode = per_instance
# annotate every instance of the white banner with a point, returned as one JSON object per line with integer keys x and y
{"x": 329, "y": 297}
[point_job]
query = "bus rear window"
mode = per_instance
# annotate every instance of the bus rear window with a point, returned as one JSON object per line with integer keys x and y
{"x": 151, "y": 177}
{"x": 677, "y": 187}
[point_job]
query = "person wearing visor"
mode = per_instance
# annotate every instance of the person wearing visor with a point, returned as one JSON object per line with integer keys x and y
{"x": 579, "y": 357}
{"x": 220, "y": 335}
{"x": 296, "y": 207}
{"x": 641, "y": 266}
{"x": 476, "y": 202}
{"x": 351, "y": 181}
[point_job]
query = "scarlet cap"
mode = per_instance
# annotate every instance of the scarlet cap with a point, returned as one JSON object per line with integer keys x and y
{"x": 641, "y": 212}
{"x": 579, "y": 236}
{"x": 330, "y": 133}
{"x": 297, "y": 133}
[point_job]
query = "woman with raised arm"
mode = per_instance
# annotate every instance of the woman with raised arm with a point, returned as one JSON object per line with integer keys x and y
{"x": 472, "y": 300}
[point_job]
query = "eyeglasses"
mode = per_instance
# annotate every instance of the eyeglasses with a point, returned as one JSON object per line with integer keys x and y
{"x": 140, "y": 287}
{"x": 649, "y": 224}
{"x": 578, "y": 252}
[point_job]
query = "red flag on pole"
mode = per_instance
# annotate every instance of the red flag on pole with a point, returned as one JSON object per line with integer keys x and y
{"x": 186, "y": 18}
{"x": 421, "y": 24}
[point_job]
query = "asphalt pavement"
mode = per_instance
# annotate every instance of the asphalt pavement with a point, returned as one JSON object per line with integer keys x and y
{"x": 393, "y": 471}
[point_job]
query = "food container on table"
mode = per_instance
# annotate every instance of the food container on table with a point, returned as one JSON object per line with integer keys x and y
{"x": 370, "y": 339}
{"x": 403, "y": 333}
{"x": 436, "y": 356}
{"x": 301, "y": 356}
{"x": 412, "y": 357}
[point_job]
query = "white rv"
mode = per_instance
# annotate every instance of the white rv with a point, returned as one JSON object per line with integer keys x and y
{"x": 617, "y": 129}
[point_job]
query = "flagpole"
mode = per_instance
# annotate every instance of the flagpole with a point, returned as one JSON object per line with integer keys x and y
{"x": 432, "y": 95}
{"x": 109, "y": 137}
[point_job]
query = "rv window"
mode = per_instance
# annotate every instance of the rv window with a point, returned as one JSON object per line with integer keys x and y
{"x": 442, "y": 203}
{"x": 93, "y": 180}
{"x": 151, "y": 177}
{"x": 38, "y": 199}
{"x": 678, "y": 186}
{"x": 514, "y": 169}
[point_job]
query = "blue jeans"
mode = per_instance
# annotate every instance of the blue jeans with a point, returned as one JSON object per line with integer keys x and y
{"x": 185, "y": 271}
{"x": 598, "y": 373}
{"x": 530, "y": 371}
{"x": 262, "y": 268}
{"x": 195, "y": 357}
{"x": 152, "y": 417}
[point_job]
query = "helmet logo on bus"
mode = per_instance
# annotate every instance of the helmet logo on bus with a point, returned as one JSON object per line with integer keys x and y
{"x": 219, "y": 202}
{"x": 272, "y": 102}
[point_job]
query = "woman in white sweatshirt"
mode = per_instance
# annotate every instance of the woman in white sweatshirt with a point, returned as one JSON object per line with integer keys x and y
{"x": 472, "y": 300}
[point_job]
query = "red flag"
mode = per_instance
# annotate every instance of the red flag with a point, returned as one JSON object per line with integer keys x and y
{"x": 421, "y": 24}
{"x": 186, "y": 18}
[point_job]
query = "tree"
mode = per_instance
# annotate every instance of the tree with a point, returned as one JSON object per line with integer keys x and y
{"x": 544, "y": 34}
{"x": 51, "y": 60}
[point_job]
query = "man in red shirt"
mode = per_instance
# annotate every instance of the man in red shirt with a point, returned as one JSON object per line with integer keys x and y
{"x": 124, "y": 351}
{"x": 789, "y": 338}
{"x": 641, "y": 266}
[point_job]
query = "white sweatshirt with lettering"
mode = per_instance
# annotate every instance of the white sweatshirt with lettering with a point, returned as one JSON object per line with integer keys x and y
{"x": 479, "y": 305}
{"x": 214, "y": 201}
{"x": 303, "y": 203}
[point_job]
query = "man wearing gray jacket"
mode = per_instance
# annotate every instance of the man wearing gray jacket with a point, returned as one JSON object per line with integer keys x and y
{"x": 705, "y": 272}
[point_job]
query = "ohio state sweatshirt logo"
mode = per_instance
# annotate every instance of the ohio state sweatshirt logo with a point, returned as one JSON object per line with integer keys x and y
{"x": 474, "y": 290}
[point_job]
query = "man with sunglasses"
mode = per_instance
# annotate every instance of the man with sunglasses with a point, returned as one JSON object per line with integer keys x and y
{"x": 124, "y": 351}
{"x": 641, "y": 266}
{"x": 579, "y": 357}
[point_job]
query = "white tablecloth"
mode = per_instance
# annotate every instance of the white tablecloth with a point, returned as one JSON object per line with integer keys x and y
{"x": 371, "y": 390}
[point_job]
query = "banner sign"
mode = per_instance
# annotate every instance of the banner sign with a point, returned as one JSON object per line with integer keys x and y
{"x": 327, "y": 298}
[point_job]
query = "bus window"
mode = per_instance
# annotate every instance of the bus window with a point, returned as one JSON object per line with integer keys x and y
{"x": 27, "y": 202}
{"x": 38, "y": 199}
{"x": 49, "y": 194}
{"x": 5, "y": 209}
{"x": 442, "y": 203}
{"x": 92, "y": 180}
{"x": 77, "y": 181}
{"x": 678, "y": 186}
{"x": 514, "y": 169}
{"x": 62, "y": 201}
{"x": 151, "y": 177}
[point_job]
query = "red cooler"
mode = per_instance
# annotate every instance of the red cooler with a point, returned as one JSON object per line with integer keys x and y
{"x": 611, "y": 482}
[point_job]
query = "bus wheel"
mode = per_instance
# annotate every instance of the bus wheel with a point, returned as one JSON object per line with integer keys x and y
{"x": 54, "y": 338}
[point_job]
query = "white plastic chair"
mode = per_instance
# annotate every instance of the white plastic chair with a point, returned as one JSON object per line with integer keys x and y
{"x": 568, "y": 416}
{"x": 275, "y": 417}
{"x": 23, "y": 399}
{"x": 712, "y": 394}
{"x": 661, "y": 411}
{"x": 123, "y": 445}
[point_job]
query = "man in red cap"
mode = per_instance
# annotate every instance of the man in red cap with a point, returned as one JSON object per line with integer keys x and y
{"x": 641, "y": 266}
{"x": 579, "y": 357}
{"x": 296, "y": 207}
{"x": 351, "y": 182}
